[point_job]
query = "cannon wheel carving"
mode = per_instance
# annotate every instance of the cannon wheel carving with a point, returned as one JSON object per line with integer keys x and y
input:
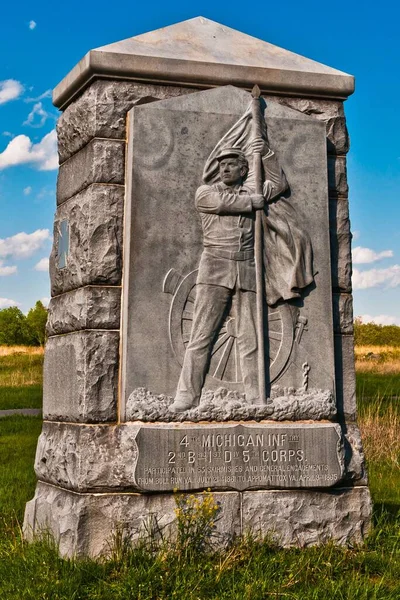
{"x": 224, "y": 365}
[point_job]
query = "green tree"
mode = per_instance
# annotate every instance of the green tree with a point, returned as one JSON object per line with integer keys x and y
{"x": 371, "y": 334}
{"x": 13, "y": 327}
{"x": 36, "y": 322}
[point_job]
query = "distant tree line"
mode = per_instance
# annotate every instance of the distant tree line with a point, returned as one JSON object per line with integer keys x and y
{"x": 371, "y": 334}
{"x": 19, "y": 329}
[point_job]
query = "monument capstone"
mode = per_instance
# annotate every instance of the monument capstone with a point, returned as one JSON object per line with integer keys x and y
{"x": 200, "y": 327}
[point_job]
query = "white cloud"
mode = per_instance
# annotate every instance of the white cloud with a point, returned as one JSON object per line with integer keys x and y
{"x": 46, "y": 94}
{"x": 45, "y": 301}
{"x": 23, "y": 245}
{"x": 8, "y": 134}
{"x": 32, "y": 25}
{"x": 21, "y": 150}
{"x": 38, "y": 116}
{"x": 381, "y": 319}
{"x": 10, "y": 89}
{"x": 27, "y": 190}
{"x": 373, "y": 278}
{"x": 46, "y": 192}
{"x": 5, "y": 271}
{"x": 356, "y": 235}
{"x": 366, "y": 255}
{"x": 42, "y": 265}
{"x": 6, "y": 302}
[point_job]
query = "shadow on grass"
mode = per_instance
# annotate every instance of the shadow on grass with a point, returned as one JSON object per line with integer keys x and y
{"x": 389, "y": 511}
{"x": 27, "y": 396}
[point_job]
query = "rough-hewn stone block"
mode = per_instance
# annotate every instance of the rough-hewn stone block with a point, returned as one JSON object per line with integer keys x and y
{"x": 129, "y": 460}
{"x": 104, "y": 456}
{"x": 85, "y": 524}
{"x": 329, "y": 111}
{"x": 90, "y": 307}
{"x": 337, "y": 175}
{"x": 338, "y": 141}
{"x": 81, "y": 377}
{"x": 341, "y": 261}
{"x": 95, "y": 219}
{"x": 101, "y": 112}
{"x": 343, "y": 313}
{"x": 305, "y": 518}
{"x": 339, "y": 220}
{"x": 320, "y": 108}
{"x": 345, "y": 377}
{"x": 354, "y": 455}
{"x": 100, "y": 161}
{"x": 340, "y": 238}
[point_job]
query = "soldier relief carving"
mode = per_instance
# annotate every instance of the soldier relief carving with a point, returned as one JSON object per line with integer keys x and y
{"x": 234, "y": 320}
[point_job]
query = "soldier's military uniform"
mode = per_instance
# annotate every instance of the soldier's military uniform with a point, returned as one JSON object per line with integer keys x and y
{"x": 226, "y": 270}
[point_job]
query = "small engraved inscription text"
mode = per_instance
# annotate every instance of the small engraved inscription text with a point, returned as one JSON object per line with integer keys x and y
{"x": 238, "y": 457}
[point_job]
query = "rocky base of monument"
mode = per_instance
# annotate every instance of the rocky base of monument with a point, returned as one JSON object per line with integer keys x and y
{"x": 300, "y": 483}
{"x": 85, "y": 524}
{"x": 227, "y": 405}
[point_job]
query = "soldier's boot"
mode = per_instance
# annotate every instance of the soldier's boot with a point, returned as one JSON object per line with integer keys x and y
{"x": 182, "y": 404}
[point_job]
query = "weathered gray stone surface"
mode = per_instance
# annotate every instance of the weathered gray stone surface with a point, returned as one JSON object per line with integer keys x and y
{"x": 339, "y": 218}
{"x": 204, "y": 53}
{"x": 329, "y": 111}
{"x": 343, "y": 313}
{"x": 341, "y": 261}
{"x": 168, "y": 154}
{"x": 86, "y": 524}
{"x": 337, "y": 175}
{"x": 90, "y": 307}
{"x": 147, "y": 457}
{"x": 81, "y": 377}
{"x": 95, "y": 218}
{"x": 181, "y": 129}
{"x": 239, "y": 457}
{"x": 87, "y": 457}
{"x": 100, "y": 161}
{"x": 338, "y": 141}
{"x": 305, "y": 518}
{"x": 226, "y": 405}
{"x": 354, "y": 455}
{"x": 345, "y": 377}
{"x": 101, "y": 111}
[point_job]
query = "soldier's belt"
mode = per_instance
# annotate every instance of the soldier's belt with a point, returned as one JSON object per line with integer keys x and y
{"x": 232, "y": 255}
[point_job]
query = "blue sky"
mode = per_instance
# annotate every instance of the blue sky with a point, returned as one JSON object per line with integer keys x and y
{"x": 40, "y": 43}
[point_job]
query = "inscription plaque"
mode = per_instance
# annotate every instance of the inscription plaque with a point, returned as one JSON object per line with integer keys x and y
{"x": 239, "y": 457}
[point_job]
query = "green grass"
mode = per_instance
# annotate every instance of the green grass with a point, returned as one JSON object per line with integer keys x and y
{"x": 18, "y": 439}
{"x": 21, "y": 380}
{"x": 28, "y": 396}
{"x": 249, "y": 570}
{"x": 372, "y": 385}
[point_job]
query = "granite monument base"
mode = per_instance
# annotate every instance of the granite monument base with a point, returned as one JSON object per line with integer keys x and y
{"x": 86, "y": 524}
{"x": 299, "y": 483}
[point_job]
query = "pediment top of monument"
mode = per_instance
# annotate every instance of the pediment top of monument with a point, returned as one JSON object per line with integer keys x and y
{"x": 202, "y": 53}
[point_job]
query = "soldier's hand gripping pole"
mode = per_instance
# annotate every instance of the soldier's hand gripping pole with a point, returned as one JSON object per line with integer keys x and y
{"x": 258, "y": 244}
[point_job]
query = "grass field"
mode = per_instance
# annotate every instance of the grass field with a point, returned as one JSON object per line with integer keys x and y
{"x": 247, "y": 571}
{"x": 20, "y": 377}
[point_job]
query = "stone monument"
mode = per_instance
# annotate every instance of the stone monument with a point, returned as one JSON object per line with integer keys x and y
{"x": 200, "y": 327}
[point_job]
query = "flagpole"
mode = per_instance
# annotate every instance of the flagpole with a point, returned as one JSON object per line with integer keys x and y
{"x": 258, "y": 244}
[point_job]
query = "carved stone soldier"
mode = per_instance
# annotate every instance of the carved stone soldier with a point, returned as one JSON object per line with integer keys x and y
{"x": 227, "y": 270}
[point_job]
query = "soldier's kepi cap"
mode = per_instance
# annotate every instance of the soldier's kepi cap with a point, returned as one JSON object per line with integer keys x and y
{"x": 225, "y": 152}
